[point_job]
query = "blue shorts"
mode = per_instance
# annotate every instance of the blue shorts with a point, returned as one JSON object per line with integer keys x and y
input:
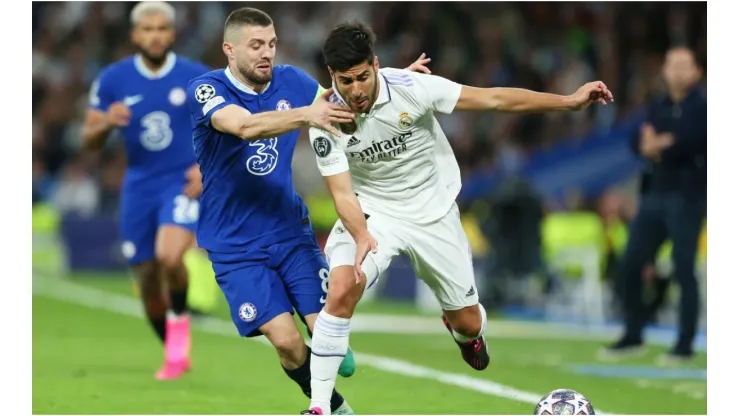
{"x": 262, "y": 284}
{"x": 143, "y": 213}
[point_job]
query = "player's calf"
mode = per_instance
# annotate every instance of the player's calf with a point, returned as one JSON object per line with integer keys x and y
{"x": 347, "y": 368}
{"x": 330, "y": 340}
{"x": 344, "y": 292}
{"x": 467, "y": 326}
{"x": 170, "y": 247}
{"x": 156, "y": 305}
{"x": 295, "y": 356}
{"x": 152, "y": 296}
{"x": 171, "y": 244}
{"x": 287, "y": 340}
{"x": 175, "y": 273}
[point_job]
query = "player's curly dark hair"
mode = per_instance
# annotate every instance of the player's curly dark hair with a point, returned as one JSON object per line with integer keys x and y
{"x": 349, "y": 44}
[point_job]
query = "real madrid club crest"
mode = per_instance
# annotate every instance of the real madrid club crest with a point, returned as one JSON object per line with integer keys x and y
{"x": 177, "y": 96}
{"x": 283, "y": 105}
{"x": 404, "y": 121}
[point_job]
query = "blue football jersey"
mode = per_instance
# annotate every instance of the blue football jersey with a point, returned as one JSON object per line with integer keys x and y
{"x": 158, "y": 138}
{"x": 248, "y": 198}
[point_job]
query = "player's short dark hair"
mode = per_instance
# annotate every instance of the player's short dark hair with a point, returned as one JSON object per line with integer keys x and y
{"x": 349, "y": 44}
{"x": 247, "y": 16}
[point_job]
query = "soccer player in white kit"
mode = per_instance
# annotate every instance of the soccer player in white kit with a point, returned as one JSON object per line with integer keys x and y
{"x": 394, "y": 180}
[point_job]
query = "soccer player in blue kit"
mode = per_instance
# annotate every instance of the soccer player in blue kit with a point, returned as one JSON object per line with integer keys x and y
{"x": 253, "y": 224}
{"x": 144, "y": 96}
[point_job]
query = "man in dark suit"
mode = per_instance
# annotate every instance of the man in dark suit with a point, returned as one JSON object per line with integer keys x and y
{"x": 673, "y": 140}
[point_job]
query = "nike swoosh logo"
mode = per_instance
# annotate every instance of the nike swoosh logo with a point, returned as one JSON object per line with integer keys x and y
{"x": 129, "y": 101}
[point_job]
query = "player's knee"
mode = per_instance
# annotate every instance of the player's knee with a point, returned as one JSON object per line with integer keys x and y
{"x": 344, "y": 292}
{"x": 467, "y": 321}
{"x": 170, "y": 260}
{"x": 289, "y": 346}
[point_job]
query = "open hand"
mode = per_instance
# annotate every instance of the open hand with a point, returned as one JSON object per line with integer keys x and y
{"x": 321, "y": 114}
{"x": 365, "y": 244}
{"x": 421, "y": 64}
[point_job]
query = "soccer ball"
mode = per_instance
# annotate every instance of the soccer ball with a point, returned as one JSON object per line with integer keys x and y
{"x": 564, "y": 402}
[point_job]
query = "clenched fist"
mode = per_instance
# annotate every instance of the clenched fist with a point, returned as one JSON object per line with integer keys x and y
{"x": 118, "y": 114}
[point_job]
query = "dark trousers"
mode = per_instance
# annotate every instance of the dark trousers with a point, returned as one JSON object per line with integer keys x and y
{"x": 660, "y": 217}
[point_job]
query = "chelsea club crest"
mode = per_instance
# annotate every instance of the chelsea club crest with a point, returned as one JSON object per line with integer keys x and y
{"x": 177, "y": 96}
{"x": 247, "y": 312}
{"x": 283, "y": 105}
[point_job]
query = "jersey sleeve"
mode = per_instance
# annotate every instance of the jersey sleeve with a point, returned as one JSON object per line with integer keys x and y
{"x": 205, "y": 97}
{"x": 441, "y": 93}
{"x": 102, "y": 93}
{"x": 319, "y": 91}
{"x": 329, "y": 155}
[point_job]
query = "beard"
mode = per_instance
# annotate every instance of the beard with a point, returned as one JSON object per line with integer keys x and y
{"x": 156, "y": 60}
{"x": 349, "y": 99}
{"x": 253, "y": 76}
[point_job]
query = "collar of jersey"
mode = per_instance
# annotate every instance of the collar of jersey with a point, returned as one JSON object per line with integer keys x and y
{"x": 384, "y": 94}
{"x": 169, "y": 63}
{"x": 240, "y": 86}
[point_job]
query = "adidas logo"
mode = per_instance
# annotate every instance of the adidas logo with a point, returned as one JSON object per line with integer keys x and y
{"x": 352, "y": 141}
{"x": 471, "y": 292}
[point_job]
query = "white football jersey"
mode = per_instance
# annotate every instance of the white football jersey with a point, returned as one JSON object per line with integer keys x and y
{"x": 400, "y": 160}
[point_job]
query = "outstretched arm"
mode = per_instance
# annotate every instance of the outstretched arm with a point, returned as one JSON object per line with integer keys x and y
{"x": 522, "y": 100}
{"x": 211, "y": 105}
{"x": 444, "y": 96}
{"x": 238, "y": 121}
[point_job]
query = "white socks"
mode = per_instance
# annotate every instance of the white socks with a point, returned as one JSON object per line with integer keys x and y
{"x": 484, "y": 322}
{"x": 328, "y": 347}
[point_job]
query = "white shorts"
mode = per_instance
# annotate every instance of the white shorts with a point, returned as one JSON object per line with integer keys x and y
{"x": 439, "y": 252}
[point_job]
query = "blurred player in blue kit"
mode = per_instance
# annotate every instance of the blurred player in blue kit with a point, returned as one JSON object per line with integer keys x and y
{"x": 255, "y": 227}
{"x": 144, "y": 96}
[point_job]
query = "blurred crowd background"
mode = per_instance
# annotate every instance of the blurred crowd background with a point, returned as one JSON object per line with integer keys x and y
{"x": 525, "y": 168}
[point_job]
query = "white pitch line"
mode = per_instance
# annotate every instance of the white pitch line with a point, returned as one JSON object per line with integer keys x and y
{"x": 386, "y": 324}
{"x": 71, "y": 292}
